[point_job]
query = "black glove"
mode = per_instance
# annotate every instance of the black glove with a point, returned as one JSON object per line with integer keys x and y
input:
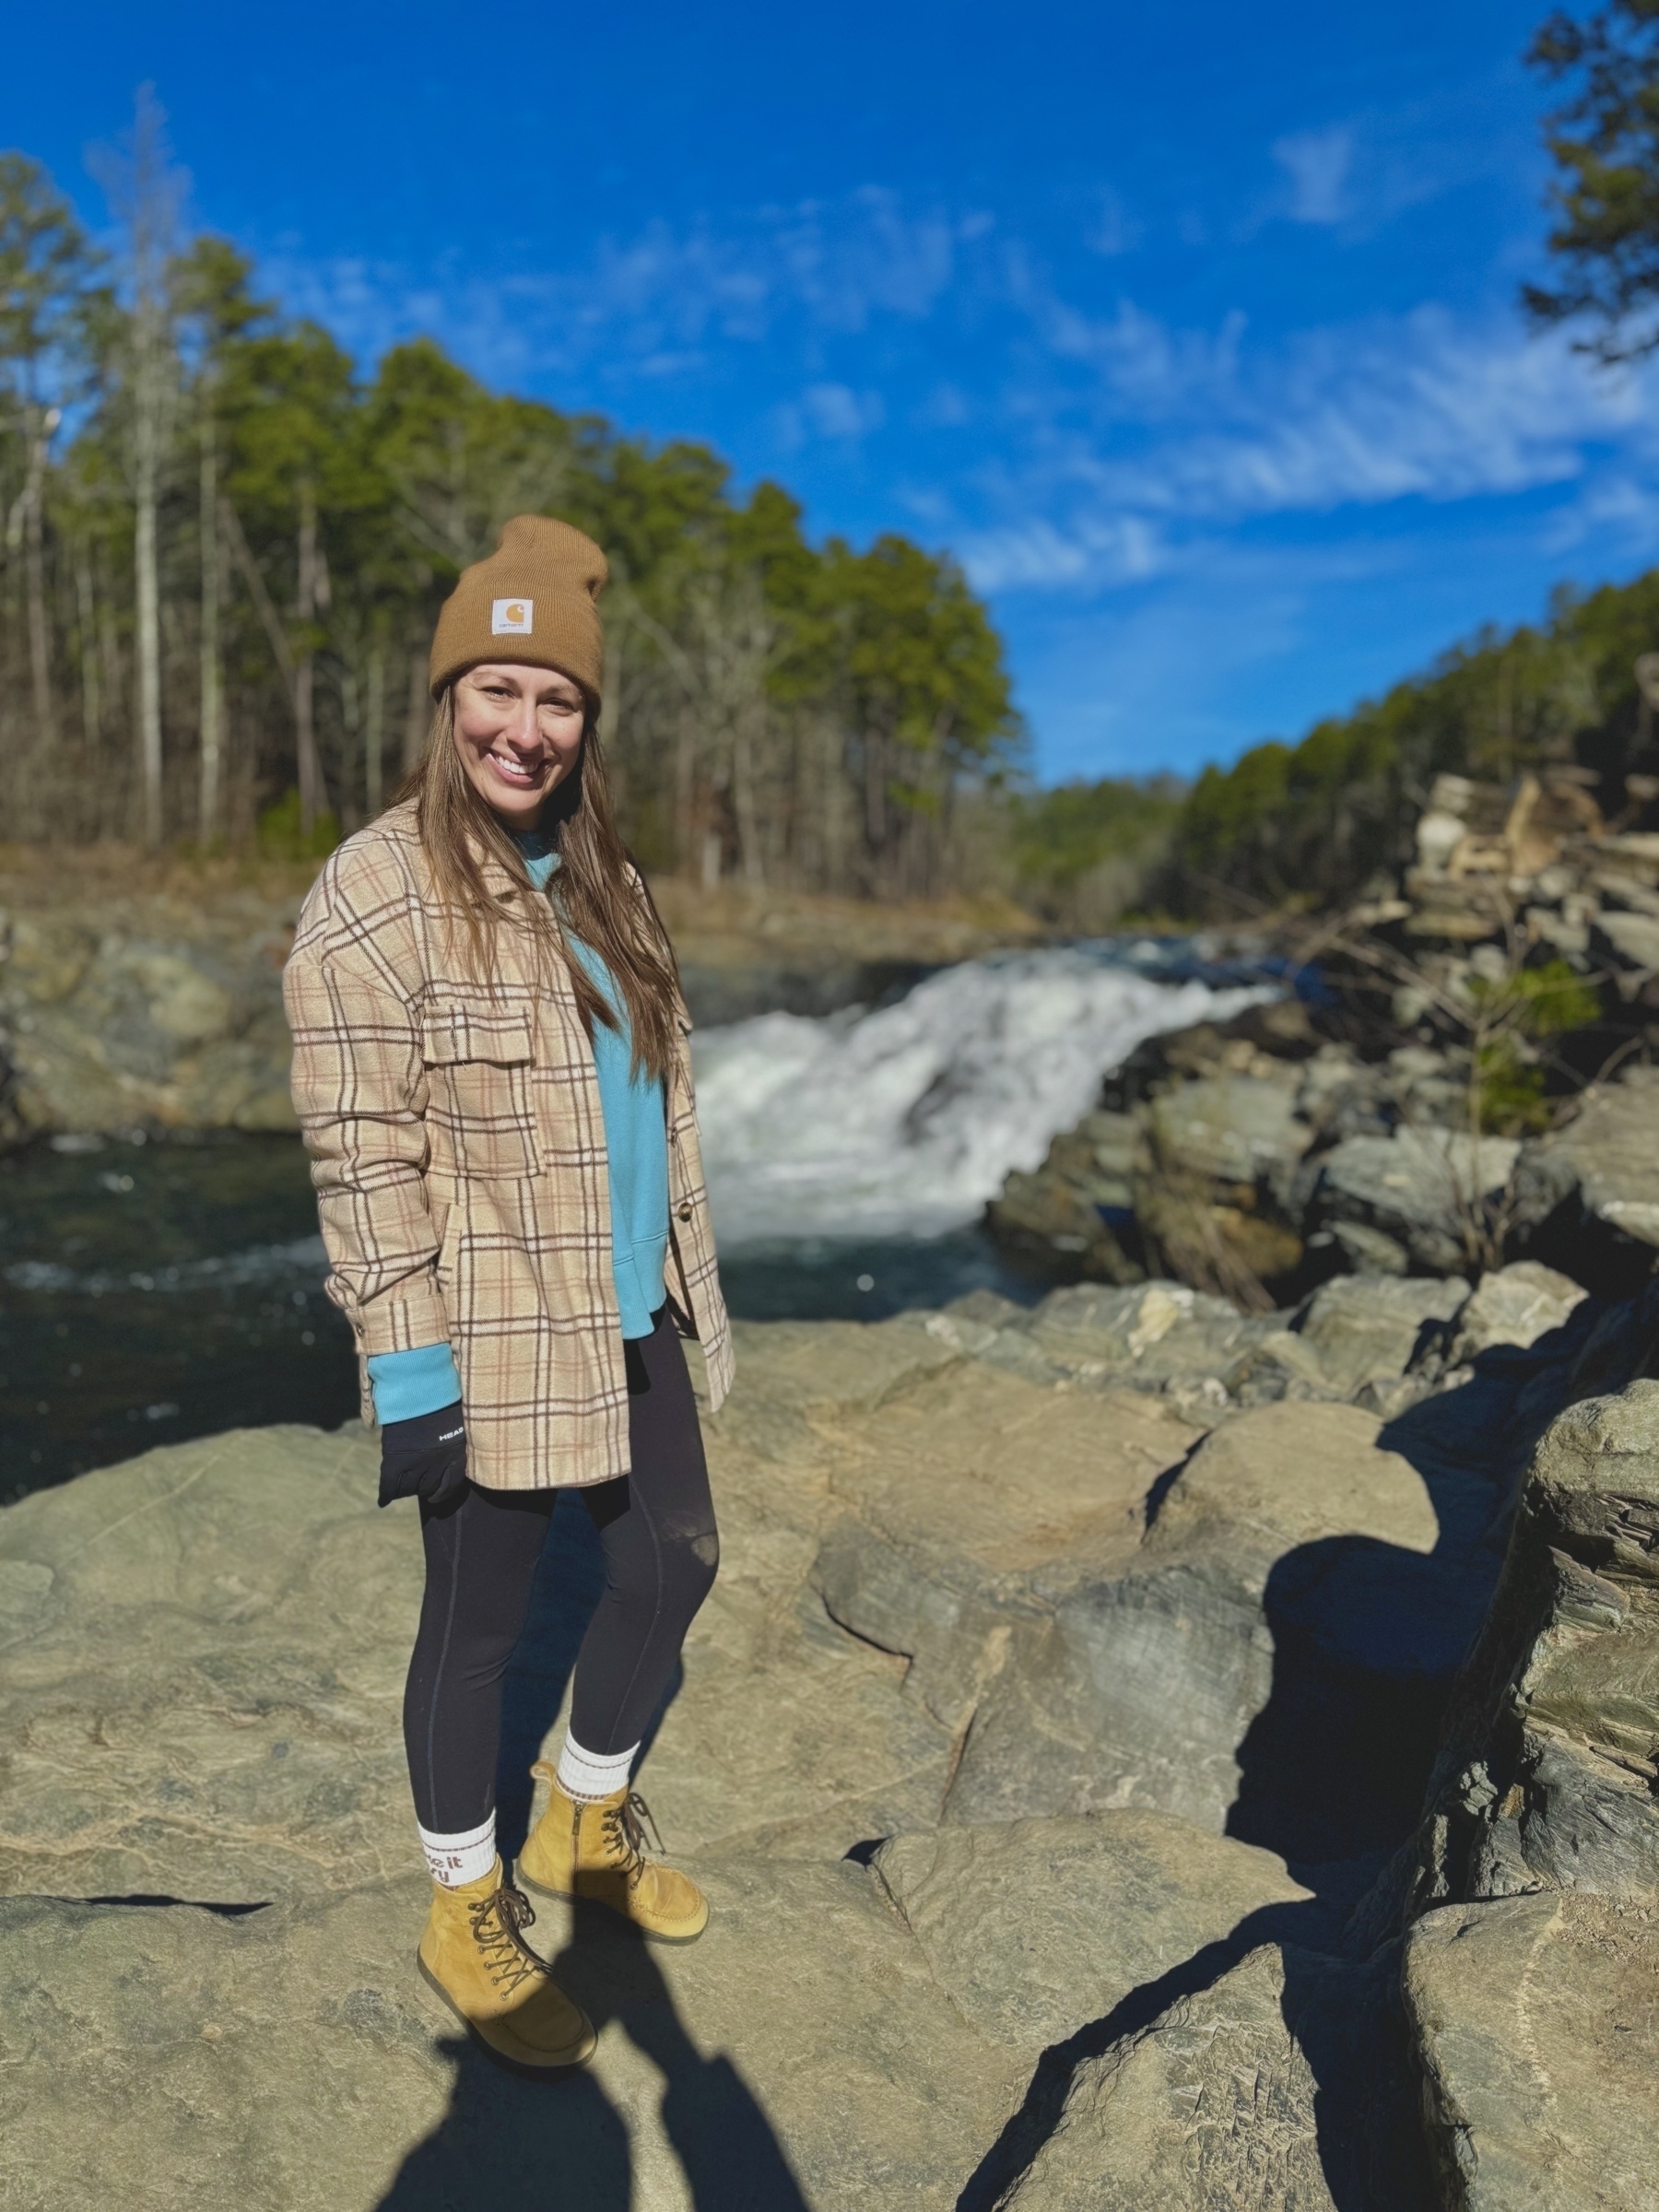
{"x": 424, "y": 1457}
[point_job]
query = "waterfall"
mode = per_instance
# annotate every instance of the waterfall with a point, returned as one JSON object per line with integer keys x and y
{"x": 904, "y": 1121}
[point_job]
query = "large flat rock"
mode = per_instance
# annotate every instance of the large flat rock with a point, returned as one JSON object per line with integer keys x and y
{"x": 291, "y": 2061}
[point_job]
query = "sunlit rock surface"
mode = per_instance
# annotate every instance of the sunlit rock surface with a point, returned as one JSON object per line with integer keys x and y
{"x": 1053, "y": 1749}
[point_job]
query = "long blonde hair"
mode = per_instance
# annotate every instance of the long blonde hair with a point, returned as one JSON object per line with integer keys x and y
{"x": 596, "y": 895}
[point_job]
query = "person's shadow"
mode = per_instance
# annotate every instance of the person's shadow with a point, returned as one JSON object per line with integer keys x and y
{"x": 521, "y": 2146}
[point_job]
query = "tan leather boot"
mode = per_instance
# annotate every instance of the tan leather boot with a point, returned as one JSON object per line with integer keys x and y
{"x": 475, "y": 1957}
{"x": 598, "y": 1850}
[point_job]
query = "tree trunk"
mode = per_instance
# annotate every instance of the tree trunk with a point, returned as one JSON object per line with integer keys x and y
{"x": 86, "y": 605}
{"x": 749, "y": 857}
{"x": 212, "y": 674}
{"x": 418, "y": 711}
{"x": 375, "y": 734}
{"x": 34, "y": 558}
{"x": 148, "y": 624}
{"x": 312, "y": 796}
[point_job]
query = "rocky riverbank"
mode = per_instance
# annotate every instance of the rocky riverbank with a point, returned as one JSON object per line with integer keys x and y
{"x": 1466, "y": 1076}
{"x": 1078, "y": 1748}
{"x": 143, "y": 994}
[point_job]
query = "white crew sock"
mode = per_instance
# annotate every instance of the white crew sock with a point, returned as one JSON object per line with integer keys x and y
{"x": 591, "y": 1775}
{"x": 457, "y": 1859}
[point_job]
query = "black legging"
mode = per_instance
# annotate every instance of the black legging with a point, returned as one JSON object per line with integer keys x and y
{"x": 656, "y": 1525}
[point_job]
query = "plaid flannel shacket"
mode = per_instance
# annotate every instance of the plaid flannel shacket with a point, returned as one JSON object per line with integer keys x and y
{"x": 458, "y": 1155}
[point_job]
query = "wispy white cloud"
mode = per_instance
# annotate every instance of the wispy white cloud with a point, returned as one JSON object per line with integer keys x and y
{"x": 1077, "y": 443}
{"x": 828, "y": 410}
{"x": 1317, "y": 164}
{"x": 1427, "y": 405}
{"x": 1039, "y": 553}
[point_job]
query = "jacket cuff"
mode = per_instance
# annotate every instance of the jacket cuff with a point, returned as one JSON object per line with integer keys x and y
{"x": 412, "y": 1382}
{"x": 408, "y": 1317}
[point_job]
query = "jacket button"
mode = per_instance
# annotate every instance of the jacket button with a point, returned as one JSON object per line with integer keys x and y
{"x": 685, "y": 1213}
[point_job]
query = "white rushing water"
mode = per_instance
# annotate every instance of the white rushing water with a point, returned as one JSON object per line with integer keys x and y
{"x": 904, "y": 1122}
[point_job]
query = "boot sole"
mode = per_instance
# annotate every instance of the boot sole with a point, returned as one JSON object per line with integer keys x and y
{"x": 556, "y": 2072}
{"x": 597, "y": 1904}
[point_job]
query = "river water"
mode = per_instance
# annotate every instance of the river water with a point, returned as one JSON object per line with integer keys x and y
{"x": 155, "y": 1291}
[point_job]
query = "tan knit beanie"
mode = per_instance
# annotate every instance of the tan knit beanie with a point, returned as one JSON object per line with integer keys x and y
{"x": 533, "y": 601}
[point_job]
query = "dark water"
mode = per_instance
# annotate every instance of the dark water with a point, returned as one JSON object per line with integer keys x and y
{"x": 151, "y": 1292}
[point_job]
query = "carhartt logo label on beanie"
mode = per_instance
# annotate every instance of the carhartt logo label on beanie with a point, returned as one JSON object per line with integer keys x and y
{"x": 512, "y": 617}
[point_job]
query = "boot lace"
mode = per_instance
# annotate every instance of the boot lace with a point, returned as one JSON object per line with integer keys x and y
{"x": 496, "y": 1923}
{"x": 625, "y": 1829}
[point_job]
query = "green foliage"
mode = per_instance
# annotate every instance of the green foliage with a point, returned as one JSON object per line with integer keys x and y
{"x": 810, "y": 714}
{"x": 277, "y": 834}
{"x": 1066, "y": 837}
{"x": 1605, "y": 142}
{"x": 1512, "y": 1014}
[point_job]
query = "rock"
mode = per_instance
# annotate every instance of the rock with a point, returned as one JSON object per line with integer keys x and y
{"x": 1634, "y": 939}
{"x": 1277, "y": 2088}
{"x": 1366, "y": 1329}
{"x": 945, "y": 1534}
{"x": 199, "y": 1694}
{"x": 104, "y": 1029}
{"x": 1368, "y": 1251}
{"x": 1286, "y": 1586}
{"x": 1146, "y": 1337}
{"x": 1284, "y": 1476}
{"x": 1605, "y": 1158}
{"x": 290, "y": 2060}
{"x": 1429, "y": 1189}
{"x": 253, "y": 1751}
{"x": 1084, "y": 1911}
{"x": 1535, "y": 2021}
{"x": 1514, "y": 1307}
{"x": 1549, "y": 1773}
{"x": 1229, "y": 1128}
{"x": 1280, "y": 1365}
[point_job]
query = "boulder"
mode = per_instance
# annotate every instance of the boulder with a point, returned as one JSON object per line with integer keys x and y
{"x": 1534, "y": 2022}
{"x": 1605, "y": 1158}
{"x": 1229, "y": 1128}
{"x": 1549, "y": 1773}
{"x": 1369, "y": 1329}
{"x": 1513, "y": 1308}
{"x": 106, "y": 1028}
{"x": 1430, "y": 1190}
{"x": 1148, "y": 1337}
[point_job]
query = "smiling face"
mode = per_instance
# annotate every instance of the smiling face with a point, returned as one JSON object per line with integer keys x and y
{"x": 518, "y": 731}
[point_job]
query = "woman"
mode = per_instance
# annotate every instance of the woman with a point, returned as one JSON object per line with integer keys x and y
{"x": 491, "y": 1072}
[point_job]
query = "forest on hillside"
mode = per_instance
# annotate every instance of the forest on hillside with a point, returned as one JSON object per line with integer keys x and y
{"x": 1309, "y": 824}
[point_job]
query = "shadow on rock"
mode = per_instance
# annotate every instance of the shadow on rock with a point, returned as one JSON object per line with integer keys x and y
{"x": 521, "y": 2146}
{"x": 1366, "y": 1640}
{"x": 516, "y": 2146}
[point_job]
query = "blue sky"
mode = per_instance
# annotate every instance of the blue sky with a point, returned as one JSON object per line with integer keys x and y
{"x": 1191, "y": 331}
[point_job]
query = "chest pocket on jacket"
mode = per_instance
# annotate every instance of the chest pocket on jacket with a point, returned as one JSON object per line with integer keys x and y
{"x": 478, "y": 1060}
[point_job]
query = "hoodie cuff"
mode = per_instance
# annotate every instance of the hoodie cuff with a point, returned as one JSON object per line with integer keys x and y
{"x": 406, "y": 1384}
